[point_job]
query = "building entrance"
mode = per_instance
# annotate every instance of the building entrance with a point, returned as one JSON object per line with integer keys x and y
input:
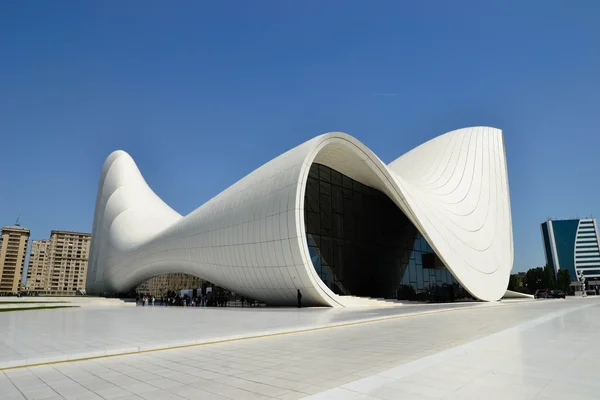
{"x": 362, "y": 244}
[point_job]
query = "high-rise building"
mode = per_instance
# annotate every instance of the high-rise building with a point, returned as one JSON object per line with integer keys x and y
{"x": 59, "y": 266}
{"x": 38, "y": 271}
{"x": 13, "y": 251}
{"x": 572, "y": 244}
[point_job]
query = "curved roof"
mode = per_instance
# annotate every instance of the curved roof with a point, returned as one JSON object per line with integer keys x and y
{"x": 251, "y": 237}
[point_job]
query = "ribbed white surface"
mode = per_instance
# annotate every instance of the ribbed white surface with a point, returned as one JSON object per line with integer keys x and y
{"x": 457, "y": 188}
{"x": 251, "y": 238}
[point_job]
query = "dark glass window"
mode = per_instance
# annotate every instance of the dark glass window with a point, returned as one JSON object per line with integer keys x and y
{"x": 362, "y": 244}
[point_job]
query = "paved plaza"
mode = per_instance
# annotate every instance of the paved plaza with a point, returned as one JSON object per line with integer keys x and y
{"x": 58, "y": 335}
{"x": 511, "y": 350}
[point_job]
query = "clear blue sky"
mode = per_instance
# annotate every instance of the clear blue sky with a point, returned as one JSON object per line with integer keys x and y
{"x": 201, "y": 93}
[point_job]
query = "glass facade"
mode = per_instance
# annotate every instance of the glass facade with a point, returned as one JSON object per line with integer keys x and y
{"x": 564, "y": 237}
{"x": 362, "y": 244}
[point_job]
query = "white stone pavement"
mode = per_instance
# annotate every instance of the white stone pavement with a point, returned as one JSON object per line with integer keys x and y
{"x": 78, "y": 301}
{"x": 536, "y": 350}
{"x": 32, "y": 337}
{"x": 6, "y": 306}
{"x": 551, "y": 357}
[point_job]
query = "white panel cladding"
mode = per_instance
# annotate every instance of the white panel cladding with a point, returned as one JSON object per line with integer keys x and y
{"x": 251, "y": 238}
{"x": 457, "y": 188}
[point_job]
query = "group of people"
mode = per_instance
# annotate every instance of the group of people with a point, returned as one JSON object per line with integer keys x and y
{"x": 145, "y": 300}
{"x": 202, "y": 300}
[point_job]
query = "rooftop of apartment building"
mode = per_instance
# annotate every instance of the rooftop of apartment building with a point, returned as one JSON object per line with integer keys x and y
{"x": 15, "y": 228}
{"x": 61, "y": 232}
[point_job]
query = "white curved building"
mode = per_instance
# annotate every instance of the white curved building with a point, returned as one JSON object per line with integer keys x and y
{"x": 327, "y": 217}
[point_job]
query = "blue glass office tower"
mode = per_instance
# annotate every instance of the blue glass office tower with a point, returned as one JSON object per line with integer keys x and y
{"x": 572, "y": 244}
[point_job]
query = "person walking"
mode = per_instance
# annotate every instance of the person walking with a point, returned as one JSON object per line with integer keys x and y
{"x": 153, "y": 301}
{"x": 299, "y": 299}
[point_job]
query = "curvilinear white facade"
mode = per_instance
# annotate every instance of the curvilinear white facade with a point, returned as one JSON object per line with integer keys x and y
{"x": 252, "y": 237}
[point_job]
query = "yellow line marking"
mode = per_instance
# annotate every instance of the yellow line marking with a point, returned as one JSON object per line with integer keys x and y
{"x": 267, "y": 335}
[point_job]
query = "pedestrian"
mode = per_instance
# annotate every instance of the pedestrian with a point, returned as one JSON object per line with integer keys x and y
{"x": 299, "y": 299}
{"x": 152, "y": 301}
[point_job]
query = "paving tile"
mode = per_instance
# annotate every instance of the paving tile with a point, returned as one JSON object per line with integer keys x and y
{"x": 291, "y": 395}
{"x": 337, "y": 394}
{"x": 496, "y": 351}
{"x": 8, "y": 388}
{"x": 39, "y": 393}
{"x": 13, "y": 396}
{"x": 160, "y": 394}
{"x": 479, "y": 366}
{"x": 139, "y": 387}
{"x": 116, "y": 329}
{"x": 559, "y": 390}
{"x": 261, "y": 388}
{"x": 112, "y": 393}
{"x": 393, "y": 393}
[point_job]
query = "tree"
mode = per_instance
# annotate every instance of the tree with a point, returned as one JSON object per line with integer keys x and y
{"x": 540, "y": 278}
{"x": 537, "y": 278}
{"x": 563, "y": 280}
{"x": 551, "y": 282}
{"x": 513, "y": 283}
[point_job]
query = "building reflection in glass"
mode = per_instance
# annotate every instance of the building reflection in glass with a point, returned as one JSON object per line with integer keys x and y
{"x": 362, "y": 244}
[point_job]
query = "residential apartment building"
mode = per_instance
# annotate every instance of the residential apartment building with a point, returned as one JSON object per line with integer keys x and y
{"x": 59, "y": 266}
{"x": 159, "y": 286}
{"x": 39, "y": 275}
{"x": 13, "y": 251}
